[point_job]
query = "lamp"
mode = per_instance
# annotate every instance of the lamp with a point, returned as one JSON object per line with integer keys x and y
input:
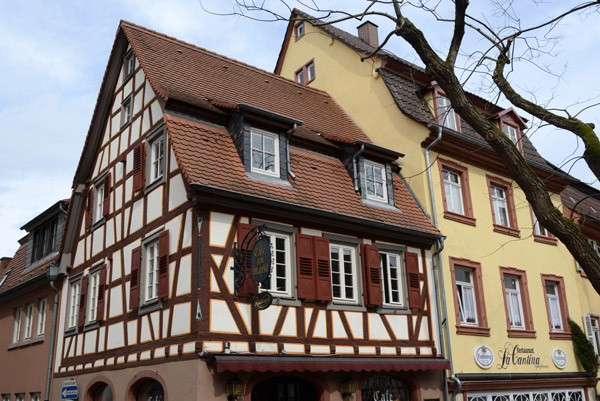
{"x": 235, "y": 388}
{"x": 348, "y": 387}
{"x": 52, "y": 272}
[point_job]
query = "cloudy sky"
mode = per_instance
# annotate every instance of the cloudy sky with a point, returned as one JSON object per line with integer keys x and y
{"x": 53, "y": 55}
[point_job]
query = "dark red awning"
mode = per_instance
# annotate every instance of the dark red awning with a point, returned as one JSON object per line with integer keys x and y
{"x": 270, "y": 363}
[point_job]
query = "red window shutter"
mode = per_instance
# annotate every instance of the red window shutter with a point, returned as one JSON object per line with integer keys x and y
{"x": 82, "y": 299}
{"x": 138, "y": 167}
{"x": 323, "y": 273}
{"x": 134, "y": 285}
{"x": 101, "y": 288}
{"x": 89, "y": 209}
{"x": 414, "y": 284}
{"x": 163, "y": 264}
{"x": 250, "y": 287}
{"x": 372, "y": 275}
{"x": 306, "y": 266}
{"x": 106, "y": 201}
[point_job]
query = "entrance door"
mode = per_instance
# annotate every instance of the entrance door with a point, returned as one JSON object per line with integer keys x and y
{"x": 284, "y": 388}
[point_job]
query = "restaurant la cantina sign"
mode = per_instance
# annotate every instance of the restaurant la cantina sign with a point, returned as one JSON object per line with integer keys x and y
{"x": 515, "y": 356}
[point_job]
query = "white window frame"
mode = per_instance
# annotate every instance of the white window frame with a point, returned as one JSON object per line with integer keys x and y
{"x": 255, "y": 134}
{"x": 511, "y": 133}
{"x": 92, "y": 296}
{"x": 128, "y": 64}
{"x": 150, "y": 272}
{"x": 20, "y": 397}
{"x": 73, "y": 312}
{"x": 99, "y": 201}
{"x": 369, "y": 165}
{"x": 157, "y": 158}
{"x": 126, "y": 110}
{"x": 41, "y": 316}
{"x": 556, "y": 320}
{"x": 5, "y": 397}
{"x": 564, "y": 394}
{"x": 342, "y": 274}
{"x": 538, "y": 229}
{"x": 299, "y": 30}
{"x": 310, "y": 71}
{"x": 387, "y": 281}
{"x": 446, "y": 113}
{"x": 16, "y": 334}
{"x": 35, "y": 396}
{"x": 514, "y": 295}
{"x": 275, "y": 277}
{"x": 453, "y": 191}
{"x": 27, "y": 333}
{"x": 592, "y": 331}
{"x": 500, "y": 204}
{"x": 462, "y": 291}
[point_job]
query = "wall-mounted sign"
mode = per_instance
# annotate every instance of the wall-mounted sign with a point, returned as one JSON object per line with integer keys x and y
{"x": 559, "y": 357}
{"x": 262, "y": 300}
{"x": 484, "y": 356}
{"x": 384, "y": 388}
{"x": 261, "y": 260}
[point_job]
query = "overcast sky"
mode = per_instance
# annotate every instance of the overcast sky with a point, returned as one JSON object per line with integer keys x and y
{"x": 53, "y": 55}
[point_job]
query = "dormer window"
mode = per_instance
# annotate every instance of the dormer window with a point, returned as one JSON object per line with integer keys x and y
{"x": 265, "y": 152}
{"x": 45, "y": 240}
{"x": 376, "y": 186}
{"x": 446, "y": 114}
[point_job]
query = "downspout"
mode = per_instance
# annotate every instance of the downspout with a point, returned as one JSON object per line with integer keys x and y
{"x": 52, "y": 340}
{"x": 289, "y": 135}
{"x": 354, "y": 162}
{"x": 439, "y": 287}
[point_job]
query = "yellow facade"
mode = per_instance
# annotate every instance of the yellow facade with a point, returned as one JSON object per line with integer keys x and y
{"x": 361, "y": 92}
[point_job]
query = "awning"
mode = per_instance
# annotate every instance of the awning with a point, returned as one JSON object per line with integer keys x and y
{"x": 282, "y": 363}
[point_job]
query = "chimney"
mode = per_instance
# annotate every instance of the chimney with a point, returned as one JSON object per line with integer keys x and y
{"x": 4, "y": 261}
{"x": 367, "y": 31}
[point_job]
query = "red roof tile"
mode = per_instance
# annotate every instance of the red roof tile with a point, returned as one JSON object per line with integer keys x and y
{"x": 17, "y": 272}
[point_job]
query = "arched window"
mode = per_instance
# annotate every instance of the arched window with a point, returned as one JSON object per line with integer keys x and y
{"x": 284, "y": 388}
{"x": 103, "y": 393}
{"x": 150, "y": 391}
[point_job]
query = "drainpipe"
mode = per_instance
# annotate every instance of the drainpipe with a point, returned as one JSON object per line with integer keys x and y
{"x": 289, "y": 134}
{"x": 437, "y": 265}
{"x": 354, "y": 162}
{"x": 52, "y": 273}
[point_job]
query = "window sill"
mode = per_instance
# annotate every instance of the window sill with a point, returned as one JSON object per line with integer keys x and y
{"x": 545, "y": 240}
{"x": 461, "y": 218}
{"x": 473, "y": 330}
{"x": 346, "y": 307}
{"x": 98, "y": 223}
{"x": 154, "y": 305}
{"x": 29, "y": 341}
{"x": 518, "y": 333}
{"x": 70, "y": 332}
{"x": 286, "y": 301}
{"x": 514, "y": 232}
{"x": 157, "y": 182}
{"x": 392, "y": 310}
{"x": 554, "y": 335}
{"x": 91, "y": 325}
{"x": 272, "y": 179}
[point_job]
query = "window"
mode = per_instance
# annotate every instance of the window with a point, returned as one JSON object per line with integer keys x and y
{"x": 540, "y": 234}
{"x": 5, "y": 397}
{"x": 41, "y": 316}
{"x": 45, "y": 240}
{"x": 446, "y": 114}
{"x": 592, "y": 331}
{"x": 265, "y": 152}
{"x": 456, "y": 195}
{"x": 453, "y": 192}
{"x": 299, "y": 30}
{"x": 128, "y": 64}
{"x": 279, "y": 282}
{"x": 503, "y": 206}
{"x": 92, "y": 301}
{"x": 556, "y": 306}
{"x": 157, "y": 158}
{"x": 16, "y": 334}
{"x": 511, "y": 133}
{"x": 393, "y": 286}
{"x": 151, "y": 272}
{"x": 306, "y": 74}
{"x": 343, "y": 273}
{"x": 28, "y": 321}
{"x": 35, "y": 396}
{"x": 126, "y": 107}
{"x": 3, "y": 279}
{"x": 469, "y": 302}
{"x": 551, "y": 394}
{"x": 99, "y": 202}
{"x": 74, "y": 290}
{"x": 20, "y": 397}
{"x": 516, "y": 301}
{"x": 376, "y": 185}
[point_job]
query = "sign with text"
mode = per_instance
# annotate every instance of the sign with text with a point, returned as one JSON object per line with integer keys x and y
{"x": 261, "y": 260}
{"x": 70, "y": 390}
{"x": 384, "y": 388}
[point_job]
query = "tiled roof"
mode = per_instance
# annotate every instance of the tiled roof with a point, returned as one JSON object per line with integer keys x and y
{"x": 589, "y": 207}
{"x": 190, "y": 74}
{"x": 17, "y": 273}
{"x": 207, "y": 156}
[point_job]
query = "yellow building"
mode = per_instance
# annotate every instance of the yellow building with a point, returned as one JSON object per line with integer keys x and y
{"x": 509, "y": 285}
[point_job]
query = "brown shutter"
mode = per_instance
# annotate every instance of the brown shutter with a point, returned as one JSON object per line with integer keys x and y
{"x": 414, "y": 285}
{"x": 106, "y": 201}
{"x": 90, "y": 208}
{"x": 372, "y": 275}
{"x": 134, "y": 285}
{"x": 138, "y": 167}
{"x": 82, "y": 299}
{"x": 163, "y": 264}
{"x": 323, "y": 273}
{"x": 250, "y": 287}
{"x": 101, "y": 288}
{"x": 305, "y": 264}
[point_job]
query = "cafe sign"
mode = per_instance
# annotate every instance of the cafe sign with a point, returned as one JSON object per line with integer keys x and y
{"x": 261, "y": 260}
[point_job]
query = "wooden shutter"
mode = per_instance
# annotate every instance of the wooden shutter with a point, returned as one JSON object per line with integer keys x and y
{"x": 106, "y": 201}
{"x": 372, "y": 275}
{"x": 305, "y": 265}
{"x": 250, "y": 287}
{"x": 82, "y": 299}
{"x": 138, "y": 167}
{"x": 414, "y": 284}
{"x": 163, "y": 264}
{"x": 101, "y": 288}
{"x": 323, "y": 269}
{"x": 134, "y": 285}
{"x": 90, "y": 208}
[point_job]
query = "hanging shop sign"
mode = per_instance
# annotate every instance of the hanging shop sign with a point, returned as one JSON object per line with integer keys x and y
{"x": 262, "y": 300}
{"x": 384, "y": 388}
{"x": 559, "y": 357}
{"x": 261, "y": 260}
{"x": 484, "y": 356}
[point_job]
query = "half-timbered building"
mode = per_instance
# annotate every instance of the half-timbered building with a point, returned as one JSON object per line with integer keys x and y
{"x": 190, "y": 155}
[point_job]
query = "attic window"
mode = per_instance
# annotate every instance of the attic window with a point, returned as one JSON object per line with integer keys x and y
{"x": 45, "y": 240}
{"x": 265, "y": 152}
{"x": 512, "y": 132}
{"x": 446, "y": 114}
{"x": 376, "y": 184}
{"x": 128, "y": 64}
{"x": 299, "y": 30}
{"x": 126, "y": 107}
{"x": 306, "y": 74}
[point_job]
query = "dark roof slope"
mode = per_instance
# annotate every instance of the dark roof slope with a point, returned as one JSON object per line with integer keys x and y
{"x": 17, "y": 272}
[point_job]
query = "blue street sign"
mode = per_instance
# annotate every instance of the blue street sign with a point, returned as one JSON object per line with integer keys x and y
{"x": 69, "y": 393}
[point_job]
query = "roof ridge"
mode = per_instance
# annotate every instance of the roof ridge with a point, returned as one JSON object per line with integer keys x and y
{"x": 194, "y": 47}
